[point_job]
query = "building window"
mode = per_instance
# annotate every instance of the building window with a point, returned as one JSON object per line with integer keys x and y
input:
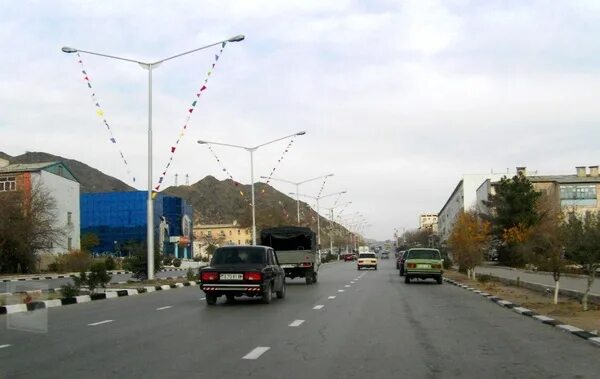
{"x": 578, "y": 194}
{"x": 239, "y": 242}
{"x": 69, "y": 218}
{"x": 239, "y": 232}
{"x": 8, "y": 183}
{"x": 230, "y": 232}
{"x": 69, "y": 243}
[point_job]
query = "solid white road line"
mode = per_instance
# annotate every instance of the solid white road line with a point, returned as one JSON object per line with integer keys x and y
{"x": 3, "y": 346}
{"x": 296, "y": 323}
{"x": 331, "y": 297}
{"x": 318, "y": 306}
{"x": 100, "y": 322}
{"x": 256, "y": 352}
{"x": 165, "y": 307}
{"x": 340, "y": 290}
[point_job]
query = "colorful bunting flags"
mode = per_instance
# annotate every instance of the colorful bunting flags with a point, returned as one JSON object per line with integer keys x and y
{"x": 189, "y": 115}
{"x": 100, "y": 114}
{"x": 289, "y": 145}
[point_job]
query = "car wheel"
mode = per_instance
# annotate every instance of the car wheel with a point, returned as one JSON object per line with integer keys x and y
{"x": 267, "y": 295}
{"x": 375, "y": 268}
{"x": 230, "y": 298}
{"x": 211, "y": 300}
{"x": 407, "y": 279}
{"x": 281, "y": 294}
{"x": 358, "y": 268}
{"x": 309, "y": 279}
{"x": 439, "y": 280}
{"x": 401, "y": 271}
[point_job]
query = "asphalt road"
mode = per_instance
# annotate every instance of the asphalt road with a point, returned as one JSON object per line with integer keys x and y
{"x": 378, "y": 327}
{"x": 29, "y": 285}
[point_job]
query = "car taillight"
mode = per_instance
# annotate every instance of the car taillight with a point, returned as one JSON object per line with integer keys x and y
{"x": 306, "y": 264}
{"x": 253, "y": 276}
{"x": 411, "y": 265}
{"x": 209, "y": 276}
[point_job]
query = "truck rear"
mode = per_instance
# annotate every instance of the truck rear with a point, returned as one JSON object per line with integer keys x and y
{"x": 296, "y": 250}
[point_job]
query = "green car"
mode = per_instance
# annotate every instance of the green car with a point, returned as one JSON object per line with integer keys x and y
{"x": 423, "y": 264}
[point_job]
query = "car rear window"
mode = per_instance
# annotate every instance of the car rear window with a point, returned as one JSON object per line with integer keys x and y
{"x": 423, "y": 254}
{"x": 238, "y": 255}
{"x": 367, "y": 255}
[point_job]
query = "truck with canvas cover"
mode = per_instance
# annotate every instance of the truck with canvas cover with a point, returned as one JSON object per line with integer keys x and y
{"x": 296, "y": 250}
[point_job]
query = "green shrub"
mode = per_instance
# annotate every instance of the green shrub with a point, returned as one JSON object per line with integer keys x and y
{"x": 75, "y": 261}
{"x": 55, "y": 267}
{"x": 197, "y": 259}
{"x": 167, "y": 260}
{"x": 138, "y": 264}
{"x": 177, "y": 262}
{"x": 205, "y": 259}
{"x": 483, "y": 278}
{"x": 110, "y": 263}
{"x": 190, "y": 275}
{"x": 98, "y": 276}
{"x": 69, "y": 290}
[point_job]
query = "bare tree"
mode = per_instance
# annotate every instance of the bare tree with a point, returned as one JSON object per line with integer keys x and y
{"x": 29, "y": 226}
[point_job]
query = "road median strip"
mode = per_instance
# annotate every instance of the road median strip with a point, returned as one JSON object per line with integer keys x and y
{"x": 108, "y": 293}
{"x": 588, "y": 336}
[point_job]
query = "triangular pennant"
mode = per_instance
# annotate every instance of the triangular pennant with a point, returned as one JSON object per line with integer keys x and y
{"x": 194, "y": 103}
{"x": 172, "y": 149}
{"x": 113, "y": 140}
{"x": 203, "y": 88}
{"x": 191, "y": 110}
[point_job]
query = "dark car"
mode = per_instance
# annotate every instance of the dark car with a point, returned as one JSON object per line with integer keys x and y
{"x": 243, "y": 271}
{"x": 400, "y": 262}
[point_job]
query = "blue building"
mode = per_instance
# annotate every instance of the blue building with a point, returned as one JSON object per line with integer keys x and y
{"x": 119, "y": 218}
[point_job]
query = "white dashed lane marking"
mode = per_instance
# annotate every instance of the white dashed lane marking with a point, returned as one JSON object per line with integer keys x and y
{"x": 256, "y": 352}
{"x": 331, "y": 297}
{"x": 340, "y": 290}
{"x": 318, "y": 306}
{"x": 347, "y": 286}
{"x": 296, "y": 323}
{"x": 100, "y": 322}
{"x": 202, "y": 298}
{"x": 4, "y": 346}
{"x": 163, "y": 308}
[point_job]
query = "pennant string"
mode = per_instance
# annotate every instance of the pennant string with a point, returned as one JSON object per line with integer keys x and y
{"x": 285, "y": 151}
{"x": 100, "y": 114}
{"x": 190, "y": 110}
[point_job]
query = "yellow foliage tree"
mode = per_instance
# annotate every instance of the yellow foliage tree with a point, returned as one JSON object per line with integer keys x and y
{"x": 469, "y": 239}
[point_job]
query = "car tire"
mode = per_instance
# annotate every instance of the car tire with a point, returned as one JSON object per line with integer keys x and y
{"x": 358, "y": 268}
{"x": 375, "y": 268}
{"x": 211, "y": 300}
{"x": 281, "y": 294}
{"x": 267, "y": 294}
{"x": 407, "y": 279}
{"x": 230, "y": 298}
{"x": 401, "y": 271}
{"x": 439, "y": 280}
{"x": 309, "y": 279}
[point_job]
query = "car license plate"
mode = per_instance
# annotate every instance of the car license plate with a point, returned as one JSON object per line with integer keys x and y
{"x": 423, "y": 266}
{"x": 287, "y": 266}
{"x": 231, "y": 276}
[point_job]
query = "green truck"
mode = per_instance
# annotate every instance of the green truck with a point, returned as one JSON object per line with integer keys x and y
{"x": 296, "y": 250}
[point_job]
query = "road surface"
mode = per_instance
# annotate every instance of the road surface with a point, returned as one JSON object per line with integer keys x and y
{"x": 352, "y": 324}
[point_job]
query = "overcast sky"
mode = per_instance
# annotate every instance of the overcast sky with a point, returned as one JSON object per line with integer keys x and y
{"x": 398, "y": 99}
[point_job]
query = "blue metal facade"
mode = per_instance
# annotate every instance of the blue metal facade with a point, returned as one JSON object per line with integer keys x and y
{"x": 120, "y": 217}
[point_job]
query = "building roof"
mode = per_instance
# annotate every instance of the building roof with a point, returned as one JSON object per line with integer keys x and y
{"x": 460, "y": 183}
{"x": 564, "y": 179}
{"x": 34, "y": 167}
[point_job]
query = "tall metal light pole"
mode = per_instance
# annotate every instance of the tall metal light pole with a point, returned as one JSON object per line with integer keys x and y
{"x": 317, "y": 198}
{"x": 297, "y": 184}
{"x": 331, "y": 223}
{"x": 251, "y": 150}
{"x": 150, "y": 66}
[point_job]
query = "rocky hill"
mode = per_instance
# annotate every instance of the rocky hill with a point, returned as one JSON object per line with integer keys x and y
{"x": 90, "y": 179}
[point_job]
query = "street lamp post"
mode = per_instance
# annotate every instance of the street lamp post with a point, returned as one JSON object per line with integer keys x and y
{"x": 331, "y": 223}
{"x": 317, "y": 198}
{"x": 251, "y": 150}
{"x": 297, "y": 184}
{"x": 150, "y": 66}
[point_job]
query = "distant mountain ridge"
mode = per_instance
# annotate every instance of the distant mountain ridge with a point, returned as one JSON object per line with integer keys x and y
{"x": 90, "y": 179}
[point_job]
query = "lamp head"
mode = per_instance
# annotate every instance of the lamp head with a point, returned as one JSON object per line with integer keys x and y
{"x": 69, "y": 50}
{"x": 237, "y": 38}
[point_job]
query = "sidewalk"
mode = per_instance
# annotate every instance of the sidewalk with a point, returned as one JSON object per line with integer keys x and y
{"x": 578, "y": 284}
{"x": 26, "y": 277}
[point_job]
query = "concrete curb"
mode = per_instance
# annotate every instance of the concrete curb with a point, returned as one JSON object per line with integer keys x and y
{"x": 109, "y": 294}
{"x": 591, "y": 337}
{"x": 72, "y": 274}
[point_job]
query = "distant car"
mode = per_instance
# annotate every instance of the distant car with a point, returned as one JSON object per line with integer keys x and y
{"x": 366, "y": 260}
{"x": 385, "y": 255}
{"x": 349, "y": 257}
{"x": 243, "y": 270}
{"x": 423, "y": 264}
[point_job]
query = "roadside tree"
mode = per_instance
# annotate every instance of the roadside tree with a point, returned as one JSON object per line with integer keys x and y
{"x": 469, "y": 240}
{"x": 513, "y": 213}
{"x": 89, "y": 241}
{"x": 582, "y": 246}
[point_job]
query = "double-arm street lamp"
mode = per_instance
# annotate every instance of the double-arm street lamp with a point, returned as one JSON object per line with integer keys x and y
{"x": 251, "y": 150}
{"x": 297, "y": 184}
{"x": 317, "y": 198}
{"x": 150, "y": 66}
